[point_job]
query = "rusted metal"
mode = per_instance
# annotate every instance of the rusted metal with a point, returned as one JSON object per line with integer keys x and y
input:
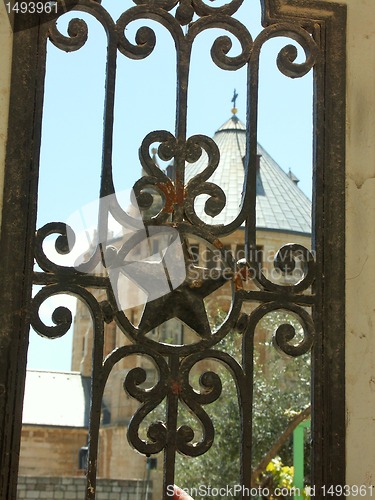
{"x": 317, "y": 299}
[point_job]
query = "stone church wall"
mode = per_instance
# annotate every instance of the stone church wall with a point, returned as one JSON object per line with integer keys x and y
{"x": 50, "y": 451}
{"x": 73, "y": 488}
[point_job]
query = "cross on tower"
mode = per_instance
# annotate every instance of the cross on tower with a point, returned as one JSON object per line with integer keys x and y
{"x": 234, "y": 99}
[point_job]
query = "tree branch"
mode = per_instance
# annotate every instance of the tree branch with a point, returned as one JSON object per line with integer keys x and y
{"x": 261, "y": 467}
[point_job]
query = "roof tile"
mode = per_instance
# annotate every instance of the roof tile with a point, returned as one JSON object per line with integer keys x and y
{"x": 280, "y": 204}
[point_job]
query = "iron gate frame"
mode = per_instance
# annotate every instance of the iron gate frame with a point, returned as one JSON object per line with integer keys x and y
{"x": 19, "y": 225}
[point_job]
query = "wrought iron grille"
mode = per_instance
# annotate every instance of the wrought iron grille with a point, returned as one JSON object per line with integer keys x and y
{"x": 317, "y": 298}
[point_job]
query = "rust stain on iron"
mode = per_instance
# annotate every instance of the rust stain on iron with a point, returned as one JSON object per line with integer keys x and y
{"x": 176, "y": 388}
{"x": 170, "y": 196}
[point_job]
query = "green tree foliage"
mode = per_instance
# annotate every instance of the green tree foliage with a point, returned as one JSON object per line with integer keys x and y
{"x": 281, "y": 390}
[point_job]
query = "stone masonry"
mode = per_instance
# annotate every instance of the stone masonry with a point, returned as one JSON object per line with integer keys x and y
{"x": 73, "y": 488}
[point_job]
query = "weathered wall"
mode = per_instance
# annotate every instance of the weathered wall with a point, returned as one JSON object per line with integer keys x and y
{"x": 72, "y": 488}
{"x": 360, "y": 246}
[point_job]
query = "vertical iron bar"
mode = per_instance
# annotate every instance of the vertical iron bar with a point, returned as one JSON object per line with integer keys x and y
{"x": 106, "y": 189}
{"x": 171, "y": 418}
{"x": 106, "y": 186}
{"x": 183, "y": 67}
{"x": 17, "y": 236}
{"x": 251, "y": 156}
{"x": 317, "y": 418}
{"x": 329, "y": 314}
{"x": 95, "y": 409}
{"x": 246, "y": 409}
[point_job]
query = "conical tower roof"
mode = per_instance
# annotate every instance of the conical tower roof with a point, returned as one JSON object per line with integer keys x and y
{"x": 280, "y": 206}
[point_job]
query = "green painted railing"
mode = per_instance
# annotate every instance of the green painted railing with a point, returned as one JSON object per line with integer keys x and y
{"x": 299, "y": 457}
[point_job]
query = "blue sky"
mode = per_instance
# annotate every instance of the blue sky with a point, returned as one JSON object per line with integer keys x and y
{"x": 145, "y": 101}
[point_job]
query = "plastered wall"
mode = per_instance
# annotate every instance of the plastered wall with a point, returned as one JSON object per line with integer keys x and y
{"x": 360, "y": 247}
{"x": 5, "y": 66}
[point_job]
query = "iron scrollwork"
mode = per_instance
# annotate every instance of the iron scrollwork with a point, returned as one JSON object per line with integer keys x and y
{"x": 174, "y": 362}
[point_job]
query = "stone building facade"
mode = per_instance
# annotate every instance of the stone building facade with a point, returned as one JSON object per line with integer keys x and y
{"x": 73, "y": 488}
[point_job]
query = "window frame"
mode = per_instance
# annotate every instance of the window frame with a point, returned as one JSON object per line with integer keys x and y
{"x": 19, "y": 219}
